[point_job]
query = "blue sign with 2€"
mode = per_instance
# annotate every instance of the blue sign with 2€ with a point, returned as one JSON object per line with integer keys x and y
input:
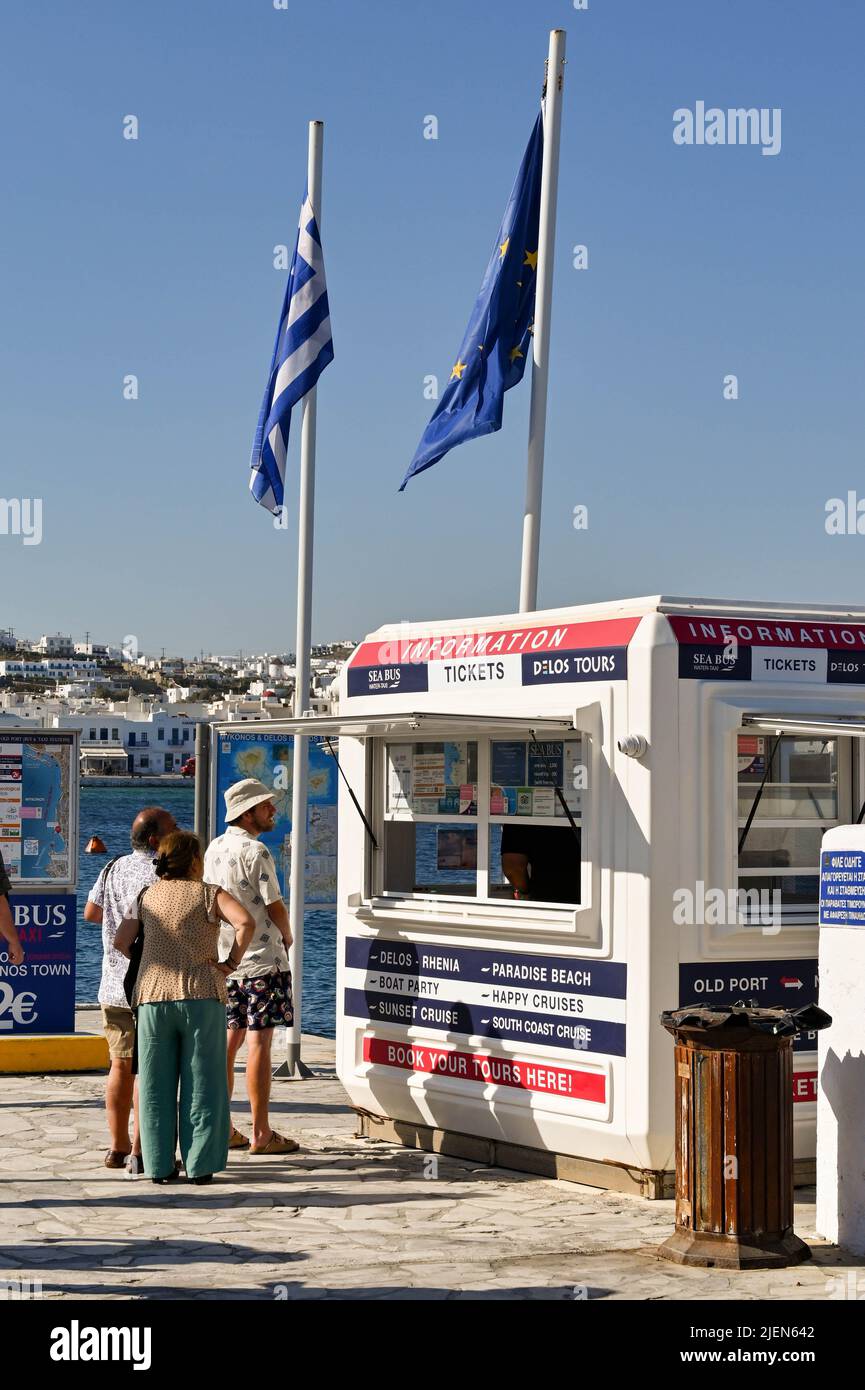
{"x": 38, "y": 996}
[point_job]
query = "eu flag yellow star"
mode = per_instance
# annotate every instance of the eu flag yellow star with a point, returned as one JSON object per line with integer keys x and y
{"x": 459, "y": 368}
{"x": 531, "y": 259}
{"x": 515, "y": 353}
{"x": 503, "y": 249}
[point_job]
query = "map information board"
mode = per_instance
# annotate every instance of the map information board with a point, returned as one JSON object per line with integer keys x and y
{"x": 38, "y": 814}
{"x": 270, "y": 758}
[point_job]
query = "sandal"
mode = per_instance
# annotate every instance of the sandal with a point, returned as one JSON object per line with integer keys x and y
{"x": 276, "y": 1144}
{"x": 170, "y": 1177}
{"x": 116, "y": 1158}
{"x": 238, "y": 1139}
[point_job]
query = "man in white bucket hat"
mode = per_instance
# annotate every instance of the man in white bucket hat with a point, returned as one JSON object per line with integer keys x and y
{"x": 259, "y": 989}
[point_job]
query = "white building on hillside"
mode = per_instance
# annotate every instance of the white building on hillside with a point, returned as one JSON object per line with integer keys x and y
{"x": 58, "y": 645}
{"x": 49, "y": 668}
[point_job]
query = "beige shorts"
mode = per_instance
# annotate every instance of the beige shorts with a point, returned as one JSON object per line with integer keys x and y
{"x": 118, "y": 1026}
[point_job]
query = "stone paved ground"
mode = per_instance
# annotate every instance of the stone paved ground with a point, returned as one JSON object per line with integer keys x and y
{"x": 344, "y": 1218}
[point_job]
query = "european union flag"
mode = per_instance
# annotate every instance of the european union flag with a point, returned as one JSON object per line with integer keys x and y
{"x": 497, "y": 342}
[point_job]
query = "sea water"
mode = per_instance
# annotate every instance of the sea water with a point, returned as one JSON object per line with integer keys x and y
{"x": 109, "y": 812}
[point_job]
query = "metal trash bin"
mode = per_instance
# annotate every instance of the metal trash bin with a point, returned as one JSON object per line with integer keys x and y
{"x": 734, "y": 1135}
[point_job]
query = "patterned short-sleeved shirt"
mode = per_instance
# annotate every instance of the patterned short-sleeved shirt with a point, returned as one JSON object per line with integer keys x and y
{"x": 244, "y": 867}
{"x": 115, "y": 891}
{"x": 5, "y": 885}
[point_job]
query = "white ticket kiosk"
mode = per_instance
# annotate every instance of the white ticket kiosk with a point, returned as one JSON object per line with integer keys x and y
{"x": 565, "y": 823}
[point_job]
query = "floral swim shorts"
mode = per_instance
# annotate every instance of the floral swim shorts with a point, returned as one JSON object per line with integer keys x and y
{"x": 260, "y": 1002}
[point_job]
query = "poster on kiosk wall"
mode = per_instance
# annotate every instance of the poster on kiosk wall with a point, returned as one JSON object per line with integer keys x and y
{"x": 269, "y": 756}
{"x": 39, "y": 844}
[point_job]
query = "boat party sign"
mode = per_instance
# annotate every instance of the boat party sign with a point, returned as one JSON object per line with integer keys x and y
{"x": 770, "y": 649}
{"x": 504, "y": 659}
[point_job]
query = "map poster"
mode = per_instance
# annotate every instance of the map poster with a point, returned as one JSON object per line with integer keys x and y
{"x": 38, "y": 806}
{"x": 270, "y": 757}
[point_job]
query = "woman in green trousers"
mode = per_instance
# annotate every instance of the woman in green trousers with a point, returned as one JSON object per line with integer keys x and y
{"x": 180, "y": 999}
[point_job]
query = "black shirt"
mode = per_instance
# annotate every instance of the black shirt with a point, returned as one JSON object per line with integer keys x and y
{"x": 5, "y": 884}
{"x": 553, "y": 853}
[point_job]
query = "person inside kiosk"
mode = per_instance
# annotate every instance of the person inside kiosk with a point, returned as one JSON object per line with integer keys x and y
{"x": 542, "y": 862}
{"x": 522, "y": 839}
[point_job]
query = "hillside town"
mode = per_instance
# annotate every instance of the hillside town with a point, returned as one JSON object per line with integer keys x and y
{"x": 137, "y": 713}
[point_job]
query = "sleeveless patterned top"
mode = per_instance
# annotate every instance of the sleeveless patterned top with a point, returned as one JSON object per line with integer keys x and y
{"x": 181, "y": 938}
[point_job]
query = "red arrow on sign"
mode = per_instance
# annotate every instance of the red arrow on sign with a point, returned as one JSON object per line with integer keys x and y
{"x": 790, "y": 983}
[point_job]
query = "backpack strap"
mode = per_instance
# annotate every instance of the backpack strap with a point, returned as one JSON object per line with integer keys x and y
{"x": 106, "y": 870}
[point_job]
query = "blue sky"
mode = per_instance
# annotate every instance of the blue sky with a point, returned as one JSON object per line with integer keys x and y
{"x": 154, "y": 257}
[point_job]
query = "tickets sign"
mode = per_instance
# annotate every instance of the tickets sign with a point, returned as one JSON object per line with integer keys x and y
{"x": 504, "y": 659}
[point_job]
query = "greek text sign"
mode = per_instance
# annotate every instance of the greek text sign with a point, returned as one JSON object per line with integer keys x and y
{"x": 842, "y": 888}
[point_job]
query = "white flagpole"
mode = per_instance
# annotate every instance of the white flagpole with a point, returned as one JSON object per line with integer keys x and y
{"x": 541, "y": 336}
{"x": 304, "y": 640}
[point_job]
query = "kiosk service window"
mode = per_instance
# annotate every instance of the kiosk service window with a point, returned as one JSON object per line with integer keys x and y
{"x": 791, "y": 790}
{"x": 484, "y": 818}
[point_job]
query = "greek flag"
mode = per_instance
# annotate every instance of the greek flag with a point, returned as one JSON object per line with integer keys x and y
{"x": 303, "y": 348}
